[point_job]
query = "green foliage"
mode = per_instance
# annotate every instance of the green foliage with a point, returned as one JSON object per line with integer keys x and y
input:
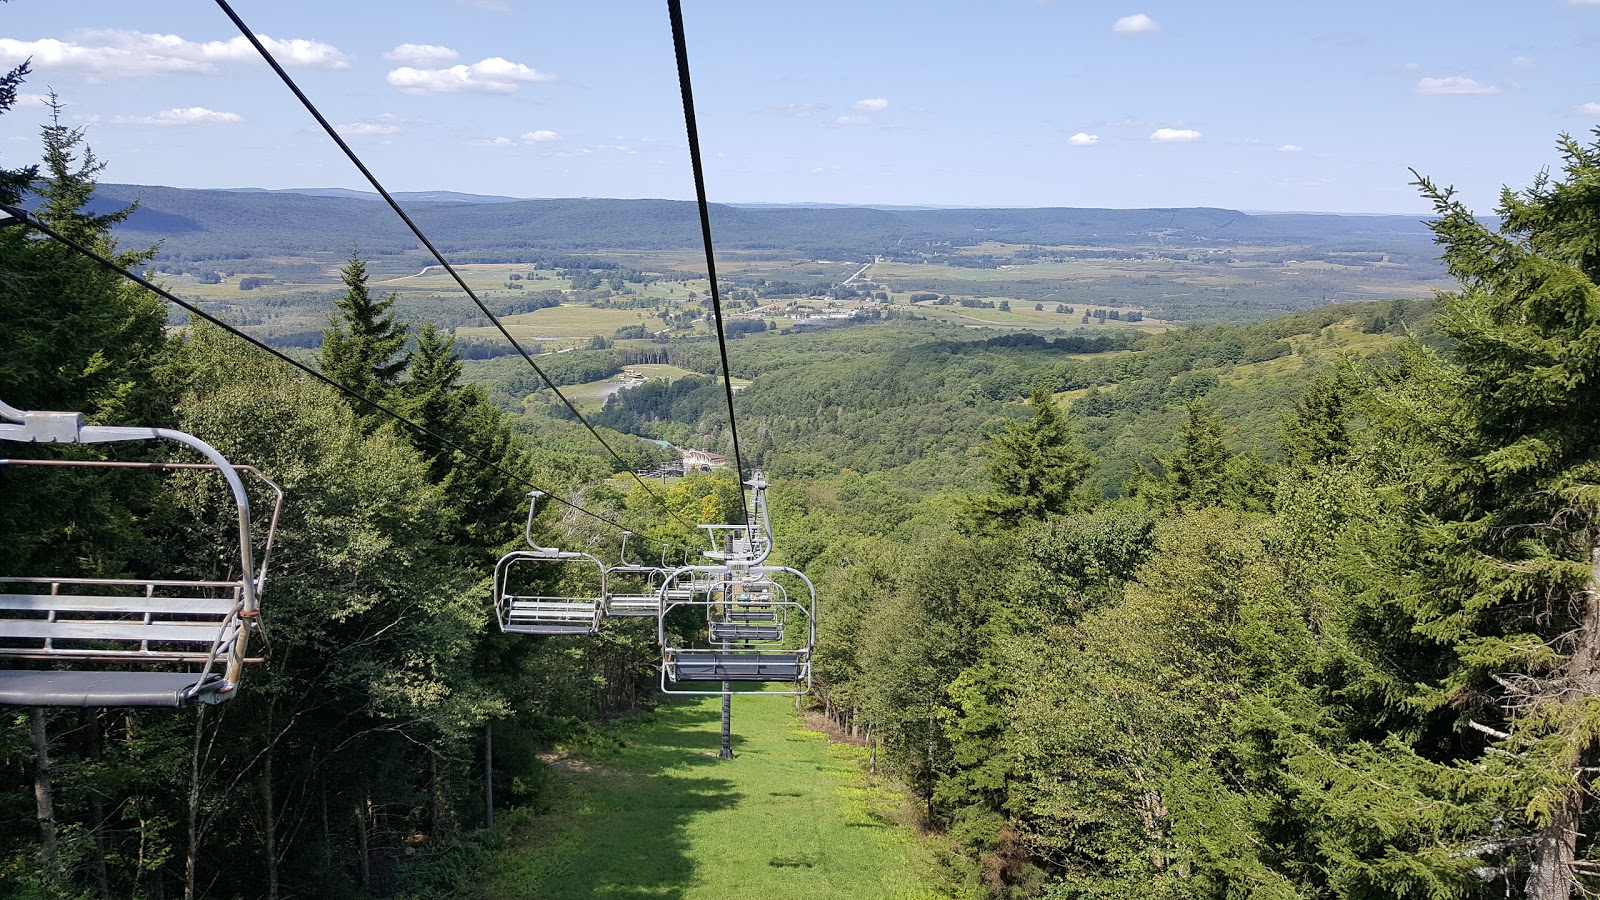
{"x": 1035, "y": 468}
{"x": 363, "y": 347}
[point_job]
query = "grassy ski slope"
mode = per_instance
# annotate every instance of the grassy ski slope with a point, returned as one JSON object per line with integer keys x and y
{"x": 656, "y": 814}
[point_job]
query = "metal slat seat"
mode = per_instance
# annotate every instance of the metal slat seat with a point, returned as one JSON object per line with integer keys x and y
{"x": 527, "y": 613}
{"x": 195, "y": 634}
{"x": 731, "y": 631}
{"x": 633, "y": 605}
{"x": 24, "y": 687}
{"x": 734, "y": 665}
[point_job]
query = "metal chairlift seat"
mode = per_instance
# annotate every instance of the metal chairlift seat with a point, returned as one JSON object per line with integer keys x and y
{"x": 643, "y": 600}
{"x": 739, "y": 599}
{"x": 521, "y": 613}
{"x": 547, "y": 614}
{"x": 632, "y": 589}
{"x": 738, "y": 632}
{"x": 98, "y": 634}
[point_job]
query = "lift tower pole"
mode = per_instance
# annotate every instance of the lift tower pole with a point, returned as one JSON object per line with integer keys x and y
{"x": 727, "y": 696}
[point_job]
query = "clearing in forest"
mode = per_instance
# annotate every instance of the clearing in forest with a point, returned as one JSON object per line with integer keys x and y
{"x": 656, "y": 814}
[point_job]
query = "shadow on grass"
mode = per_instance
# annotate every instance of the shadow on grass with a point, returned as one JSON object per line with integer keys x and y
{"x": 621, "y": 831}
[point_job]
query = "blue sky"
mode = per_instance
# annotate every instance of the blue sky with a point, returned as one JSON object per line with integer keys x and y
{"x": 1256, "y": 105}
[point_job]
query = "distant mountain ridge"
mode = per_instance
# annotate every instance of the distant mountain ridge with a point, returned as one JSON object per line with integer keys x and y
{"x": 205, "y": 223}
{"x": 347, "y": 193}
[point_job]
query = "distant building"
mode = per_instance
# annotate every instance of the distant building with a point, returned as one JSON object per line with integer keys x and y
{"x": 702, "y": 460}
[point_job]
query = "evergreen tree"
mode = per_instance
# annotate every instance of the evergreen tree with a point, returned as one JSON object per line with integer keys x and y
{"x": 1196, "y": 473}
{"x": 14, "y": 181}
{"x": 1035, "y": 468}
{"x": 1317, "y": 434}
{"x": 363, "y": 347}
{"x": 1506, "y": 534}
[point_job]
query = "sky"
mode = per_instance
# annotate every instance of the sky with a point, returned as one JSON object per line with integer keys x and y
{"x": 1276, "y": 105}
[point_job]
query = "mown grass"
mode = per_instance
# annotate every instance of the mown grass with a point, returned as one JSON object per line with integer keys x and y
{"x": 654, "y": 813}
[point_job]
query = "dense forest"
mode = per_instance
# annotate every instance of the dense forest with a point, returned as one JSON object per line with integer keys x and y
{"x": 360, "y": 743}
{"x": 1308, "y": 608}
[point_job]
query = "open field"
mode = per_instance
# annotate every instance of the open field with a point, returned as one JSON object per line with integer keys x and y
{"x": 560, "y": 323}
{"x": 590, "y": 396}
{"x": 654, "y": 813}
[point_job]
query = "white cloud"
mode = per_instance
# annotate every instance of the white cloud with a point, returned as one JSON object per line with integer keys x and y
{"x": 852, "y": 120}
{"x": 1138, "y": 23}
{"x": 793, "y": 110}
{"x": 1291, "y": 148}
{"x": 1083, "y": 139}
{"x": 540, "y": 137}
{"x": 489, "y": 76}
{"x": 124, "y": 53}
{"x": 32, "y": 101}
{"x": 1174, "y": 136}
{"x": 191, "y": 115}
{"x": 1454, "y": 85}
{"x": 421, "y": 55}
{"x": 388, "y": 123}
{"x": 870, "y": 105}
{"x": 1588, "y": 109}
{"x": 496, "y": 142}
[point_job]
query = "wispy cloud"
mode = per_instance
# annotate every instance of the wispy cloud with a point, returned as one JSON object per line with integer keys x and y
{"x": 541, "y": 136}
{"x": 854, "y": 121}
{"x": 135, "y": 53}
{"x": 1174, "y": 136}
{"x": 386, "y": 124}
{"x": 1138, "y": 23}
{"x": 1291, "y": 148}
{"x": 190, "y": 115}
{"x": 494, "y": 75}
{"x": 1083, "y": 139}
{"x": 794, "y": 110}
{"x": 493, "y": 6}
{"x": 1587, "y": 109}
{"x": 1455, "y": 85}
{"x": 870, "y": 105}
{"x": 421, "y": 55}
{"x": 496, "y": 142}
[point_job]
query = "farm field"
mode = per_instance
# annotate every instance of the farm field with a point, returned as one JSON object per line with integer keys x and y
{"x": 561, "y": 323}
{"x": 590, "y": 396}
{"x": 652, "y": 812}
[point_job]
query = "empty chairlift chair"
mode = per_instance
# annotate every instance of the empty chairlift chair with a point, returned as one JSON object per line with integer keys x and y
{"x": 67, "y": 640}
{"x": 752, "y": 612}
{"x": 633, "y": 589}
{"x": 734, "y": 597}
{"x": 560, "y": 611}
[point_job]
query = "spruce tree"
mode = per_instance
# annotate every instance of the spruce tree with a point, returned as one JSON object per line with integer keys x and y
{"x": 1035, "y": 468}
{"x": 1504, "y": 545}
{"x": 1317, "y": 433}
{"x": 1196, "y": 473}
{"x": 363, "y": 347}
{"x": 13, "y": 182}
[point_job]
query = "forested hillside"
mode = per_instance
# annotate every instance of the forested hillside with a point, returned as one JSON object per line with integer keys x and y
{"x": 1303, "y": 608}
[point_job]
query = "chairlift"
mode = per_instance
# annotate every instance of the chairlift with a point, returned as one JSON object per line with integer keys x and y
{"x": 633, "y": 589}
{"x": 752, "y": 611}
{"x": 747, "y": 544}
{"x": 522, "y": 613}
{"x": 735, "y": 597}
{"x": 97, "y": 635}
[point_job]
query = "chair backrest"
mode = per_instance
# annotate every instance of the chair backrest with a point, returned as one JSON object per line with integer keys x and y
{"x": 104, "y": 625}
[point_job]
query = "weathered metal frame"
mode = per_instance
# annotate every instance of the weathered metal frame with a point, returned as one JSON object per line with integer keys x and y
{"x": 505, "y": 603}
{"x": 706, "y": 579}
{"x": 229, "y": 649}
